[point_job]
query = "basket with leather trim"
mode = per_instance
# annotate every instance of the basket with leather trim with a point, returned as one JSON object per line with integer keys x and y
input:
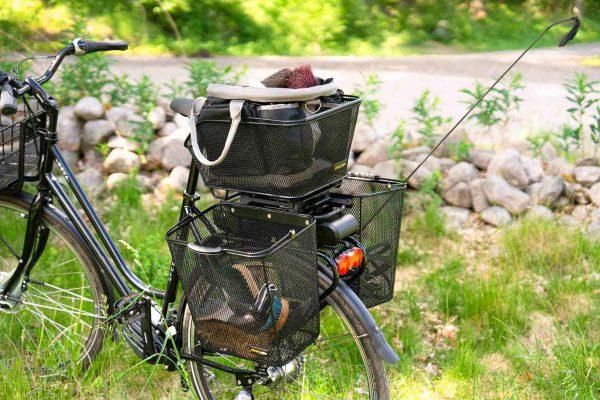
{"x": 250, "y": 279}
{"x": 272, "y": 141}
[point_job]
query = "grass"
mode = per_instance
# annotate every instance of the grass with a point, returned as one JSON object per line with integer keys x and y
{"x": 504, "y": 314}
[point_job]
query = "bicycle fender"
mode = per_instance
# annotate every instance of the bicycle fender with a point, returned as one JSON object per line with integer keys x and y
{"x": 382, "y": 347}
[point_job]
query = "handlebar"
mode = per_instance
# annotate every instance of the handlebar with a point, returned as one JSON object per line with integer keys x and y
{"x": 8, "y": 103}
{"x": 82, "y": 46}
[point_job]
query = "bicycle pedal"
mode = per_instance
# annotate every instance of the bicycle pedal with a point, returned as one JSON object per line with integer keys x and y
{"x": 130, "y": 308}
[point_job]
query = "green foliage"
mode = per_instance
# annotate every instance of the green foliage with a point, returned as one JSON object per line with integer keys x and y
{"x": 496, "y": 107}
{"x": 595, "y": 128}
{"x": 538, "y": 141}
{"x": 460, "y": 150}
{"x": 202, "y": 73}
{"x": 370, "y": 106}
{"x": 431, "y": 222}
{"x": 398, "y": 136}
{"x": 427, "y": 116}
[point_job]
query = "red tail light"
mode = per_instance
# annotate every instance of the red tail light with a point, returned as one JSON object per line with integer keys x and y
{"x": 349, "y": 260}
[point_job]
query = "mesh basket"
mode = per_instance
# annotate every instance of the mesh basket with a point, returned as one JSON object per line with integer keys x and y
{"x": 289, "y": 159}
{"x": 377, "y": 205}
{"x": 250, "y": 278}
{"x": 19, "y": 146}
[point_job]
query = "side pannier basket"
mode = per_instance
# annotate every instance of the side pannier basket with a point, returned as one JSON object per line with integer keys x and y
{"x": 377, "y": 205}
{"x": 20, "y": 146}
{"x": 250, "y": 279}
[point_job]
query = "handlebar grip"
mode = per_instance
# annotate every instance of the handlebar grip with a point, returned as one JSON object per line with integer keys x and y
{"x": 83, "y": 46}
{"x": 8, "y": 102}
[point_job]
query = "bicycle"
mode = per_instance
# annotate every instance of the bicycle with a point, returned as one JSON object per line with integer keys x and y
{"x": 65, "y": 283}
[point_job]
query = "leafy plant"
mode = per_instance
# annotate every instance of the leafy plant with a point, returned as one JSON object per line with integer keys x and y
{"x": 499, "y": 103}
{"x": 460, "y": 150}
{"x": 538, "y": 141}
{"x": 580, "y": 93}
{"x": 595, "y": 128}
{"x": 398, "y": 136}
{"x": 427, "y": 116}
{"x": 370, "y": 106}
{"x": 202, "y": 73}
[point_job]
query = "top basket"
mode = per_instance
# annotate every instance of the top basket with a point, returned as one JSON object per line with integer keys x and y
{"x": 19, "y": 147}
{"x": 285, "y": 159}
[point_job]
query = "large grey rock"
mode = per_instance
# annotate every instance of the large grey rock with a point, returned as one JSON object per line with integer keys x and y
{"x": 594, "y": 194}
{"x": 432, "y": 163}
{"x": 595, "y": 214}
{"x": 481, "y": 158}
{"x": 420, "y": 176}
{"x": 363, "y": 138}
{"x": 89, "y": 108}
{"x": 413, "y": 152}
{"x": 541, "y": 212}
{"x": 446, "y": 164}
{"x": 559, "y": 167}
{"x": 500, "y": 192}
{"x": 167, "y": 129}
{"x": 120, "y": 142}
{"x": 362, "y": 169}
{"x": 509, "y": 166}
{"x": 587, "y": 175}
{"x": 446, "y": 147}
{"x": 115, "y": 179}
{"x": 456, "y": 217}
{"x": 71, "y": 157}
{"x": 548, "y": 191}
{"x": 116, "y": 114}
{"x": 157, "y": 117}
{"x": 388, "y": 169}
{"x": 121, "y": 160}
{"x": 534, "y": 169}
{"x": 478, "y": 197}
{"x": 587, "y": 162}
{"x": 69, "y": 130}
{"x": 165, "y": 104}
{"x": 593, "y": 230}
{"x": 169, "y": 151}
{"x": 461, "y": 172}
{"x": 176, "y": 180}
{"x": 459, "y": 195}
{"x": 96, "y": 132}
{"x": 132, "y": 125}
{"x": 91, "y": 180}
{"x": 496, "y": 216}
{"x": 375, "y": 153}
{"x": 568, "y": 221}
{"x": 181, "y": 121}
{"x": 580, "y": 213}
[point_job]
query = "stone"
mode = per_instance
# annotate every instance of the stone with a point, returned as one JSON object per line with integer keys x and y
{"x": 456, "y": 217}
{"x": 169, "y": 151}
{"x": 587, "y": 175}
{"x": 363, "y": 138}
{"x": 481, "y": 158}
{"x": 500, "y": 192}
{"x": 165, "y": 104}
{"x": 541, "y": 212}
{"x": 461, "y": 172}
{"x": 181, "y": 121}
{"x": 120, "y": 142}
{"x": 69, "y": 130}
{"x": 388, "y": 169}
{"x": 593, "y": 230}
{"x": 534, "y": 169}
{"x": 548, "y": 152}
{"x": 420, "y": 176}
{"x": 145, "y": 182}
{"x": 432, "y": 163}
{"x": 559, "y": 167}
{"x": 580, "y": 213}
{"x": 595, "y": 214}
{"x": 446, "y": 164}
{"x": 478, "y": 197}
{"x": 167, "y": 129}
{"x": 587, "y": 162}
{"x": 459, "y": 195}
{"x": 131, "y": 125}
{"x": 114, "y": 179}
{"x": 496, "y": 216}
{"x": 91, "y": 180}
{"x": 413, "y": 152}
{"x": 445, "y": 149}
{"x": 375, "y": 153}
{"x": 89, "y": 108}
{"x": 93, "y": 159}
{"x": 121, "y": 160}
{"x": 96, "y": 132}
{"x": 362, "y": 169}
{"x": 157, "y": 117}
{"x": 568, "y": 221}
{"x": 177, "y": 179}
{"x": 594, "y": 194}
{"x": 548, "y": 191}
{"x": 116, "y": 114}
{"x": 509, "y": 166}
{"x": 71, "y": 157}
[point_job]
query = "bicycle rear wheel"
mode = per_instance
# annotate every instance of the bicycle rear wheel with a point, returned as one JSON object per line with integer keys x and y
{"x": 342, "y": 364}
{"x": 58, "y": 324}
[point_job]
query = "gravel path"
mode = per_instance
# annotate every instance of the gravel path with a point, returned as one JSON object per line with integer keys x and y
{"x": 404, "y": 78}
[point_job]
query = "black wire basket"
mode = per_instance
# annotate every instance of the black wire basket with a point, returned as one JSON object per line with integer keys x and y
{"x": 20, "y": 146}
{"x": 251, "y": 281}
{"x": 286, "y": 159}
{"x": 377, "y": 205}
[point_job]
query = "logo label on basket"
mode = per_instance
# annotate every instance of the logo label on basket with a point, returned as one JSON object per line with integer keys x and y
{"x": 258, "y": 351}
{"x": 339, "y": 165}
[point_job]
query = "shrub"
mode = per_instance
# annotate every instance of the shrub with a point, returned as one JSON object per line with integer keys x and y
{"x": 370, "y": 106}
{"x": 202, "y": 73}
{"x": 427, "y": 116}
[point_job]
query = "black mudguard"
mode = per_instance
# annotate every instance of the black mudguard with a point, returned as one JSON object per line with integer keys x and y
{"x": 382, "y": 347}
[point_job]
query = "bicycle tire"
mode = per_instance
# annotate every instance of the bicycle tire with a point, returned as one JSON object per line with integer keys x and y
{"x": 378, "y": 388}
{"x": 60, "y": 226}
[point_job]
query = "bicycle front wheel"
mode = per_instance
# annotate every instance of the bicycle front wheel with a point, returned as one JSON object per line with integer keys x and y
{"x": 342, "y": 364}
{"x": 57, "y": 325}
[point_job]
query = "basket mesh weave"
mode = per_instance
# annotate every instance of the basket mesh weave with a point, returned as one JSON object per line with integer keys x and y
{"x": 280, "y": 158}
{"x": 19, "y": 146}
{"x": 258, "y": 298}
{"x": 377, "y": 205}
